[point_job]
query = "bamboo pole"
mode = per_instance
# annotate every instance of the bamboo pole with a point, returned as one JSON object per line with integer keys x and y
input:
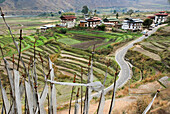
{"x": 90, "y": 79}
{"x": 99, "y": 110}
{"x": 86, "y": 95}
{"x": 74, "y": 81}
{"x": 16, "y": 45}
{"x": 42, "y": 62}
{"x": 81, "y": 90}
{"x": 20, "y": 46}
{"x": 76, "y": 104}
{"x": 35, "y": 79}
{"x": 114, "y": 89}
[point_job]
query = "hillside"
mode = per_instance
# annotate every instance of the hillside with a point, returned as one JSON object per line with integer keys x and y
{"x": 37, "y": 6}
{"x": 151, "y": 56}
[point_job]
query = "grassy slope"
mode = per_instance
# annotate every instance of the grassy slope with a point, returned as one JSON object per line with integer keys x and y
{"x": 161, "y": 39}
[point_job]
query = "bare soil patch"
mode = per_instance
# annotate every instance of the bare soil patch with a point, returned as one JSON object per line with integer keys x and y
{"x": 149, "y": 45}
{"x": 146, "y": 88}
{"x": 86, "y": 37}
{"x": 154, "y": 56}
{"x": 86, "y": 45}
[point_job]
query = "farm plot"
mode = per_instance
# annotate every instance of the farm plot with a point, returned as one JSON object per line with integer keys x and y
{"x": 100, "y": 38}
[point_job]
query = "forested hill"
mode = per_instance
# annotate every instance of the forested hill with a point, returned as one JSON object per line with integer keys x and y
{"x": 30, "y": 6}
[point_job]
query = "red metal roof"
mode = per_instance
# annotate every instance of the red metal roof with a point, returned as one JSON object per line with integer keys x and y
{"x": 151, "y": 17}
{"x": 94, "y": 19}
{"x": 161, "y": 14}
{"x": 97, "y": 18}
{"x": 67, "y": 17}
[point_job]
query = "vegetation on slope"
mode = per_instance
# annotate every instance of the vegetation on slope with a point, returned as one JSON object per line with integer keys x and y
{"x": 146, "y": 66}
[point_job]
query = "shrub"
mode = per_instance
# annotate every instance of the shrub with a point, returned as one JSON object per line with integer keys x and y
{"x": 101, "y": 27}
{"x": 147, "y": 23}
{"x": 63, "y": 30}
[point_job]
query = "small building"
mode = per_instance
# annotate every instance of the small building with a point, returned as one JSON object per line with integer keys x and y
{"x": 132, "y": 24}
{"x": 45, "y": 27}
{"x": 68, "y": 20}
{"x": 111, "y": 20}
{"x": 93, "y": 22}
{"x": 161, "y": 17}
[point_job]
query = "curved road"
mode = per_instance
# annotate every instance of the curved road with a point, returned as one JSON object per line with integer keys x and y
{"x": 124, "y": 74}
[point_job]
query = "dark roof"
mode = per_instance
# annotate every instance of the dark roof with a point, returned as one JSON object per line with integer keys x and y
{"x": 110, "y": 19}
{"x": 67, "y": 17}
{"x": 129, "y": 20}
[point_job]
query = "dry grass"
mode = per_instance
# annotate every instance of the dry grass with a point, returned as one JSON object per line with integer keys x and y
{"x": 139, "y": 106}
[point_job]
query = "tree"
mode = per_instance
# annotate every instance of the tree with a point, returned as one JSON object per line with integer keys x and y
{"x": 90, "y": 13}
{"x": 114, "y": 11}
{"x": 102, "y": 27}
{"x": 59, "y": 12}
{"x": 130, "y": 12}
{"x": 85, "y": 10}
{"x": 95, "y": 12}
{"x": 168, "y": 20}
{"x": 51, "y": 13}
{"x": 147, "y": 23}
{"x": 117, "y": 16}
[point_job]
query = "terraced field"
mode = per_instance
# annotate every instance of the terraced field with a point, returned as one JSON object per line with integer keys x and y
{"x": 101, "y": 39}
{"x": 152, "y": 56}
{"x": 67, "y": 62}
{"x": 67, "y": 55}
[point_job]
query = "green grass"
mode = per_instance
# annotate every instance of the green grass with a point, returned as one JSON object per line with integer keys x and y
{"x": 168, "y": 79}
{"x": 31, "y": 38}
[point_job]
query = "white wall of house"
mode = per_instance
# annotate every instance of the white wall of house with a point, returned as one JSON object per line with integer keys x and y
{"x": 93, "y": 24}
{"x": 69, "y": 24}
{"x": 160, "y": 19}
{"x": 131, "y": 26}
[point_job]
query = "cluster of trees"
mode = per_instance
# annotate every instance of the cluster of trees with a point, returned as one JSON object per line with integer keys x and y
{"x": 130, "y": 12}
{"x": 147, "y": 23}
{"x": 86, "y": 10}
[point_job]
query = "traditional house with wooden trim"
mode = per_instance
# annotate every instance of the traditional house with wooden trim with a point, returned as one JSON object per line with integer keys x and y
{"x": 132, "y": 24}
{"x": 93, "y": 22}
{"x": 90, "y": 22}
{"x": 161, "y": 17}
{"x": 68, "y": 21}
{"x": 111, "y": 20}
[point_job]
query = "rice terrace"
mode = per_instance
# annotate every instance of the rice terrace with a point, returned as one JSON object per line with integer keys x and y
{"x": 113, "y": 60}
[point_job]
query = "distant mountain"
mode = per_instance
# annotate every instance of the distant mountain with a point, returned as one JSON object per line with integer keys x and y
{"x": 32, "y": 6}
